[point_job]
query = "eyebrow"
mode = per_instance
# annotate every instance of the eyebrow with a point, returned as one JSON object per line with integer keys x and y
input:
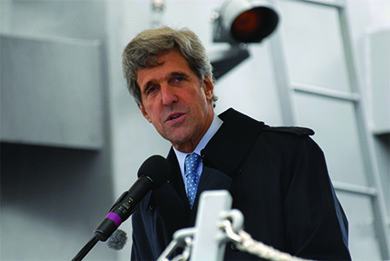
{"x": 176, "y": 74}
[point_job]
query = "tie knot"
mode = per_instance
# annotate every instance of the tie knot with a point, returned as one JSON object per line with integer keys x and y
{"x": 191, "y": 163}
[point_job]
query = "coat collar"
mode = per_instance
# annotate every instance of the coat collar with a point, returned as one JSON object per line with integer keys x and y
{"x": 230, "y": 145}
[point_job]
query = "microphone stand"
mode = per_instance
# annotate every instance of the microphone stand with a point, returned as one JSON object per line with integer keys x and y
{"x": 84, "y": 251}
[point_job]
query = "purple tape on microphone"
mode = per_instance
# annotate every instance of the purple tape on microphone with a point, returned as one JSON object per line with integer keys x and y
{"x": 115, "y": 217}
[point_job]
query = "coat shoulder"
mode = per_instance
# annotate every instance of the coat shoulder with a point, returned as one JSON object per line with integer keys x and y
{"x": 298, "y": 131}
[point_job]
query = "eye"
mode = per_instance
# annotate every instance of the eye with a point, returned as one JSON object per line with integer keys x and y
{"x": 151, "y": 89}
{"x": 176, "y": 80}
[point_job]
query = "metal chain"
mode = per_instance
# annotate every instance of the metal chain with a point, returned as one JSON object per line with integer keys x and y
{"x": 245, "y": 242}
{"x": 185, "y": 255}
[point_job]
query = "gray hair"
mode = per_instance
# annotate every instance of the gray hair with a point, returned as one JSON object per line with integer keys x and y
{"x": 143, "y": 50}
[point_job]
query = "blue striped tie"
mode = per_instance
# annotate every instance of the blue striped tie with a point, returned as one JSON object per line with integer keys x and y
{"x": 191, "y": 164}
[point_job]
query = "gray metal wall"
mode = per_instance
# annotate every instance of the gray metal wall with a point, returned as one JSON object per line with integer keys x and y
{"x": 56, "y": 175}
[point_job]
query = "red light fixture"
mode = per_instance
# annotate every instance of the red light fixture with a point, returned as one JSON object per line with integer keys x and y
{"x": 244, "y": 21}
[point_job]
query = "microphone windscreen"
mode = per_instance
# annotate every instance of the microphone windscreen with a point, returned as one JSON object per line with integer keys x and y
{"x": 117, "y": 240}
{"x": 157, "y": 169}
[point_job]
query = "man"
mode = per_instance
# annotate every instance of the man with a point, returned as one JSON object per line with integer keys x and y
{"x": 277, "y": 176}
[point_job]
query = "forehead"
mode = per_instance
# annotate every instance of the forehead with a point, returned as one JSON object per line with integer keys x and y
{"x": 171, "y": 61}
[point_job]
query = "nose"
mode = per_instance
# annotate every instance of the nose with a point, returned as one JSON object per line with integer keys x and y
{"x": 168, "y": 95}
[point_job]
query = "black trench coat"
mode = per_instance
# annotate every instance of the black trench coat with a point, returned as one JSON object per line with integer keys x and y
{"x": 277, "y": 178}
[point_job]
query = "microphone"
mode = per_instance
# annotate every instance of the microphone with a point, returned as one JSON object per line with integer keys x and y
{"x": 152, "y": 174}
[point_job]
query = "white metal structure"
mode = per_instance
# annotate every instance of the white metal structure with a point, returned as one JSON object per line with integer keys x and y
{"x": 287, "y": 90}
{"x": 217, "y": 224}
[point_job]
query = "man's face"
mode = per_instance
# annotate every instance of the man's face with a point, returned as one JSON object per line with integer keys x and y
{"x": 175, "y": 101}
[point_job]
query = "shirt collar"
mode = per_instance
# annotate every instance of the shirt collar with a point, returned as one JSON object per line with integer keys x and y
{"x": 215, "y": 125}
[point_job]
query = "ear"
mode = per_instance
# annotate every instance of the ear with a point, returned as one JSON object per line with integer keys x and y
{"x": 208, "y": 87}
{"x": 144, "y": 113}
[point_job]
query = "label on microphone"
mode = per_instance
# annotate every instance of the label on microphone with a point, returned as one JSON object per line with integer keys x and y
{"x": 115, "y": 217}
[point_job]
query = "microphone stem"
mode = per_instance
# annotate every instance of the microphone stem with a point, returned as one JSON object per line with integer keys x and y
{"x": 84, "y": 251}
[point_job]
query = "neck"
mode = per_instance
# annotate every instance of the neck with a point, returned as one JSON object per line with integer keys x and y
{"x": 190, "y": 145}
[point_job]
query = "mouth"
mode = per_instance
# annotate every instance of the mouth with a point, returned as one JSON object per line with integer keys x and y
{"x": 174, "y": 116}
